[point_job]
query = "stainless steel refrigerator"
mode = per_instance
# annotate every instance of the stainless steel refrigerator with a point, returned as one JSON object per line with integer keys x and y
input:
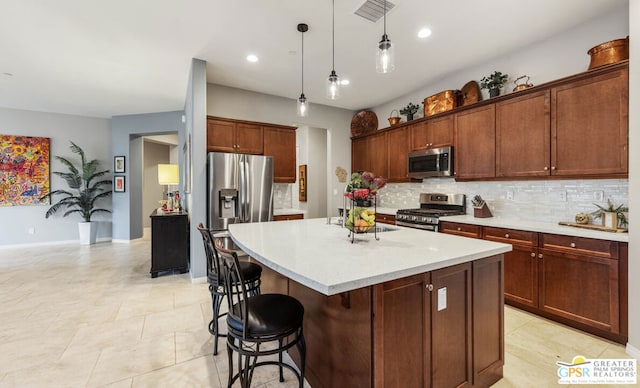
{"x": 240, "y": 189}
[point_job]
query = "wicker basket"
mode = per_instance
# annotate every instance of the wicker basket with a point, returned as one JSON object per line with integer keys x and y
{"x": 394, "y": 120}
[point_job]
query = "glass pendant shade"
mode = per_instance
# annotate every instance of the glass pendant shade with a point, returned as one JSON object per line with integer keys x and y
{"x": 385, "y": 61}
{"x": 303, "y": 106}
{"x": 333, "y": 86}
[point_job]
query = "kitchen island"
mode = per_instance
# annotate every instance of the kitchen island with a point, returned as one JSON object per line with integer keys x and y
{"x": 410, "y": 309}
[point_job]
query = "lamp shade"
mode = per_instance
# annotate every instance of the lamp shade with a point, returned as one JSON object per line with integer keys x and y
{"x": 168, "y": 174}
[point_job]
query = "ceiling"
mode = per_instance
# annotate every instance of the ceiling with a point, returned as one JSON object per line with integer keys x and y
{"x": 117, "y": 57}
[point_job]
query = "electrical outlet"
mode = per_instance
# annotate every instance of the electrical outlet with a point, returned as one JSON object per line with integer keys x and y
{"x": 563, "y": 196}
{"x": 510, "y": 195}
{"x": 598, "y": 196}
{"x": 31, "y": 230}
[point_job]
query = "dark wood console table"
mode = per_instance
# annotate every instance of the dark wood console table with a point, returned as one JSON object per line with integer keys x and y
{"x": 169, "y": 242}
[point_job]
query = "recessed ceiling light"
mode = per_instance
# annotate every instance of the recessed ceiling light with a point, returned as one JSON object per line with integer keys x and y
{"x": 424, "y": 33}
{"x": 252, "y": 58}
{"x": 344, "y": 82}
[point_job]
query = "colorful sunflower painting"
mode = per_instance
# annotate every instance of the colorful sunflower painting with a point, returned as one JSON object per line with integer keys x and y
{"x": 24, "y": 170}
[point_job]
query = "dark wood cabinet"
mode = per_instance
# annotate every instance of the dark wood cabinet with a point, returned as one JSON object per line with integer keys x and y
{"x": 386, "y": 218}
{"x": 464, "y": 230}
{"x": 377, "y": 152}
{"x": 169, "y": 242}
{"x": 281, "y": 144}
{"x": 234, "y": 136}
{"x": 288, "y": 217}
{"x": 578, "y": 281}
{"x": 589, "y": 125}
{"x": 435, "y": 132}
{"x": 359, "y": 155}
{"x": 247, "y": 137}
{"x": 523, "y": 134}
{"x": 423, "y": 330}
{"x": 397, "y": 151}
{"x": 520, "y": 265}
{"x": 475, "y": 143}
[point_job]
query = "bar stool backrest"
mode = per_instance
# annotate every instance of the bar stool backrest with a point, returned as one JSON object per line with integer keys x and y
{"x": 237, "y": 295}
{"x": 213, "y": 262}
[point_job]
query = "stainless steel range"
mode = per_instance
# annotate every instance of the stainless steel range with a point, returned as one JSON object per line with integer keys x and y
{"x": 432, "y": 206}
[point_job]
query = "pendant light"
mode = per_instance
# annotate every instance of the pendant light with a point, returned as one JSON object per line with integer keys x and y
{"x": 333, "y": 82}
{"x": 303, "y": 105}
{"x": 384, "y": 62}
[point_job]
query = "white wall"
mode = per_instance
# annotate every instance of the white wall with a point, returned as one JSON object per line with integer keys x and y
{"x": 152, "y": 192}
{"x": 633, "y": 346}
{"x": 560, "y": 56}
{"x": 311, "y": 147}
{"x": 240, "y": 104}
{"x": 92, "y": 135}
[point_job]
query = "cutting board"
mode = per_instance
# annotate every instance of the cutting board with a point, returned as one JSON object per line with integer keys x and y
{"x": 593, "y": 227}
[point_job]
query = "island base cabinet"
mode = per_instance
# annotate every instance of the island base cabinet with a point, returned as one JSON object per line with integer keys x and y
{"x": 337, "y": 332}
{"x": 423, "y": 330}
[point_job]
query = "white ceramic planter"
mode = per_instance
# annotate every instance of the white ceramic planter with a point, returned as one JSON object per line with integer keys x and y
{"x": 88, "y": 232}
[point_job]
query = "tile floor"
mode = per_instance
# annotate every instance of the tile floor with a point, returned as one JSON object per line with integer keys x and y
{"x": 77, "y": 316}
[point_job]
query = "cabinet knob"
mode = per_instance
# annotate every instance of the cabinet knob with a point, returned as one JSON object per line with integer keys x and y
{"x": 506, "y": 235}
{"x": 553, "y": 167}
{"x": 573, "y": 245}
{"x": 546, "y": 168}
{"x": 539, "y": 255}
{"x": 429, "y": 287}
{"x": 533, "y": 254}
{"x": 459, "y": 228}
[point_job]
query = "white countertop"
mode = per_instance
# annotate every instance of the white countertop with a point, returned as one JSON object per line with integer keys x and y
{"x": 322, "y": 257}
{"x": 544, "y": 227}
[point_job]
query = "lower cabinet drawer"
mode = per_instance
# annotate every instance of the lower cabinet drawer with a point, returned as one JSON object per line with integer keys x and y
{"x": 579, "y": 245}
{"x": 385, "y": 218}
{"x": 287, "y": 217}
{"x": 511, "y": 236}
{"x": 465, "y": 230}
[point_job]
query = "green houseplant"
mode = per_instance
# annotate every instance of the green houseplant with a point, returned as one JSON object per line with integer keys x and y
{"x": 620, "y": 211}
{"x": 409, "y": 110}
{"x": 85, "y": 188}
{"x": 494, "y": 82}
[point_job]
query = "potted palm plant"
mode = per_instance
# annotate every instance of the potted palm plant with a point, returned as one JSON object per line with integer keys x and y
{"x": 85, "y": 189}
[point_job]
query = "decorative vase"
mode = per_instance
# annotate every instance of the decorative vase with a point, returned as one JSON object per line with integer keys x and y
{"x": 410, "y": 117}
{"x": 494, "y": 92}
{"x": 88, "y": 232}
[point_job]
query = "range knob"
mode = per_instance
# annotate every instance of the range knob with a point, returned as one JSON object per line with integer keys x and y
{"x": 414, "y": 218}
{"x": 424, "y": 219}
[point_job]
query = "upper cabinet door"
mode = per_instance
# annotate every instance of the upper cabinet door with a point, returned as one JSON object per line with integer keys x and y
{"x": 440, "y": 131}
{"x": 249, "y": 139}
{"x": 221, "y": 135}
{"x": 378, "y": 155}
{"x": 523, "y": 133}
{"x": 397, "y": 151}
{"x": 474, "y": 154}
{"x": 281, "y": 144}
{"x": 589, "y": 125}
{"x": 418, "y": 135}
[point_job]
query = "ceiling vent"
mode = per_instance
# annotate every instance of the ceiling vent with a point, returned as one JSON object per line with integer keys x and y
{"x": 373, "y": 10}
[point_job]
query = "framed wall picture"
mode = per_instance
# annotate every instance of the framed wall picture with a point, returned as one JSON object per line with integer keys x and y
{"x": 118, "y": 184}
{"x": 302, "y": 183}
{"x": 118, "y": 164}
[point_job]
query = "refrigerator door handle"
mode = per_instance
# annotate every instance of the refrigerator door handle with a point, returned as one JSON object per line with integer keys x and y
{"x": 242, "y": 188}
{"x": 247, "y": 188}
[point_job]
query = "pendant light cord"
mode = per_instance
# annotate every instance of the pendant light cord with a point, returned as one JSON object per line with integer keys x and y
{"x": 385, "y": 17}
{"x": 302, "y": 62}
{"x": 333, "y": 36}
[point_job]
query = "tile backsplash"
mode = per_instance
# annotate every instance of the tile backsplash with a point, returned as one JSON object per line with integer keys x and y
{"x": 544, "y": 201}
{"x": 282, "y": 196}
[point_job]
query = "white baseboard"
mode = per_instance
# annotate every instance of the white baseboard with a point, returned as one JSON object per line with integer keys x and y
{"x": 633, "y": 351}
{"x": 200, "y": 280}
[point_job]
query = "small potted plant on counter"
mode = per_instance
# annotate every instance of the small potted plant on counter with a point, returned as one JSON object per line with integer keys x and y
{"x": 494, "y": 83}
{"x": 613, "y": 217}
{"x": 409, "y": 110}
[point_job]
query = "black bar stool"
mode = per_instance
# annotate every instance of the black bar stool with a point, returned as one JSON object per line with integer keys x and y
{"x": 250, "y": 271}
{"x": 257, "y": 320}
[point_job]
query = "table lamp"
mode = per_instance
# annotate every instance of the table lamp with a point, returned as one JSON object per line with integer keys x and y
{"x": 168, "y": 174}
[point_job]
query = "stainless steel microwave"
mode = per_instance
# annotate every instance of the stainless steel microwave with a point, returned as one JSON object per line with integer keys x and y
{"x": 433, "y": 162}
